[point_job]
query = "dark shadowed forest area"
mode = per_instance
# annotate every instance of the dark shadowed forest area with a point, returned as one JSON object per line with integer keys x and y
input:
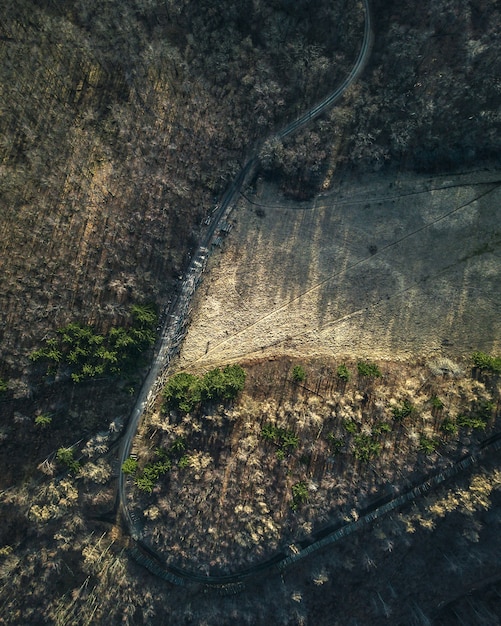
{"x": 121, "y": 125}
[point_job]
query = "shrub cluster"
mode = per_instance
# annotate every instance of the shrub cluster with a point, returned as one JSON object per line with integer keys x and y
{"x": 298, "y": 374}
{"x": 89, "y": 354}
{"x": 369, "y": 370}
{"x": 146, "y": 478}
{"x": 486, "y": 362}
{"x": 185, "y": 391}
{"x": 343, "y": 372}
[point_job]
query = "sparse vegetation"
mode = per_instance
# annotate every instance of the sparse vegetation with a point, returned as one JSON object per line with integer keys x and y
{"x": 88, "y": 354}
{"x": 321, "y": 422}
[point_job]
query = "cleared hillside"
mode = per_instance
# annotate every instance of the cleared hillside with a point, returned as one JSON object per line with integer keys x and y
{"x": 383, "y": 267}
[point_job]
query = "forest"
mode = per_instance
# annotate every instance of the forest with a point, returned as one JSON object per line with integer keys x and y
{"x": 121, "y": 125}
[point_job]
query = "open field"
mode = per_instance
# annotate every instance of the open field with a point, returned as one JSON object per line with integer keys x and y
{"x": 384, "y": 267}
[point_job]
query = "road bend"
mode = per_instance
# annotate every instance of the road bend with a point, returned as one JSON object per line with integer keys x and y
{"x": 176, "y": 319}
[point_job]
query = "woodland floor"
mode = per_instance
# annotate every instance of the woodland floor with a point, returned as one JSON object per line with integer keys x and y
{"x": 230, "y": 507}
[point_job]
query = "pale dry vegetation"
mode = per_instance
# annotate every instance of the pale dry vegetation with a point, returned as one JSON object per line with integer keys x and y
{"x": 120, "y": 126}
{"x": 63, "y": 561}
{"x": 230, "y": 502}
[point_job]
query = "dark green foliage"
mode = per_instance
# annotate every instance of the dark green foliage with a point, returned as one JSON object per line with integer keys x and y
{"x": 381, "y": 427}
{"x": 144, "y": 315}
{"x": 486, "y": 363}
{"x": 186, "y": 391}
{"x": 129, "y": 466}
{"x": 299, "y": 495}
{"x": 144, "y": 484}
{"x": 478, "y": 418}
{"x": 177, "y": 446}
{"x": 336, "y": 444}
{"x": 471, "y": 421}
{"x": 350, "y": 426}
{"x": 153, "y": 471}
{"x": 49, "y": 352}
{"x": 65, "y": 457}
{"x": 43, "y": 420}
{"x": 184, "y": 461}
{"x": 223, "y": 385}
{"x": 427, "y": 445}
{"x": 365, "y": 447}
{"x": 286, "y": 440}
{"x": 183, "y": 392}
{"x": 298, "y": 374}
{"x": 369, "y": 370}
{"x": 290, "y": 440}
{"x": 145, "y": 480}
{"x": 270, "y": 432}
{"x": 437, "y": 403}
{"x": 3, "y": 385}
{"x": 90, "y": 355}
{"x": 343, "y": 373}
{"x": 402, "y": 411}
{"x": 449, "y": 426}
{"x": 213, "y": 384}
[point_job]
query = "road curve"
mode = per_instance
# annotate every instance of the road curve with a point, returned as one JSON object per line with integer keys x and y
{"x": 232, "y": 583}
{"x": 174, "y": 327}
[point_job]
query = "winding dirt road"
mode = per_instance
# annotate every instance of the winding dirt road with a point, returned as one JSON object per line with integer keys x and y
{"x": 175, "y": 324}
